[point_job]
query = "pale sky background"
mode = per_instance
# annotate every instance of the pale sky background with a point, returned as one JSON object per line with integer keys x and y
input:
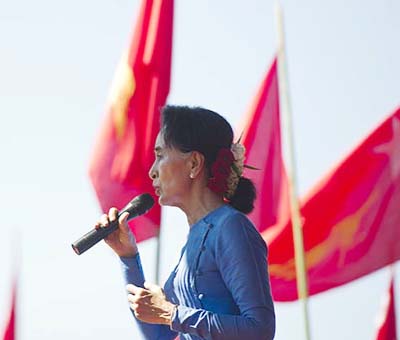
{"x": 57, "y": 60}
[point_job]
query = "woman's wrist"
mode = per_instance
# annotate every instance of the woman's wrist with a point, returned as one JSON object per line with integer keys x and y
{"x": 129, "y": 253}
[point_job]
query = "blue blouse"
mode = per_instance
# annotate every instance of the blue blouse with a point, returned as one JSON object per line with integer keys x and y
{"x": 220, "y": 284}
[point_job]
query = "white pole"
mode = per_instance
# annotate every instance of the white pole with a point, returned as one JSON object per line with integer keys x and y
{"x": 288, "y": 147}
{"x": 158, "y": 257}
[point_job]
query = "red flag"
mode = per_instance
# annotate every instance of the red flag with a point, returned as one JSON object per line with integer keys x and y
{"x": 124, "y": 150}
{"x": 10, "y": 331}
{"x": 387, "y": 325}
{"x": 262, "y": 139}
{"x": 351, "y": 219}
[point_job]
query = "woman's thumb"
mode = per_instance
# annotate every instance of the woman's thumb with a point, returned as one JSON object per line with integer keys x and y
{"x": 123, "y": 220}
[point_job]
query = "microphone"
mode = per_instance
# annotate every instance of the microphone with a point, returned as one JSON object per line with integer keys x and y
{"x": 138, "y": 206}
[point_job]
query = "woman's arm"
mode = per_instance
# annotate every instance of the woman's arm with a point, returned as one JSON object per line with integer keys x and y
{"x": 133, "y": 274}
{"x": 123, "y": 242}
{"x": 241, "y": 256}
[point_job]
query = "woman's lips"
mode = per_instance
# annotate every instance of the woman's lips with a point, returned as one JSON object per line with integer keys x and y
{"x": 157, "y": 190}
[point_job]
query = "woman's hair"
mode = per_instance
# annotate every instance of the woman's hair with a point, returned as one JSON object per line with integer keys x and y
{"x": 197, "y": 129}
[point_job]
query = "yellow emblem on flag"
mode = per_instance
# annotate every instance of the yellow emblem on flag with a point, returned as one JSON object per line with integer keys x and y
{"x": 341, "y": 238}
{"x": 122, "y": 90}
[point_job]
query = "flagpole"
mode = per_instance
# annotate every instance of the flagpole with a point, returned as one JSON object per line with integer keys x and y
{"x": 393, "y": 278}
{"x": 286, "y": 117}
{"x": 158, "y": 256}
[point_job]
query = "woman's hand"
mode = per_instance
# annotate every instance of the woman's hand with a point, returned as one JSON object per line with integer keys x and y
{"x": 122, "y": 241}
{"x": 150, "y": 304}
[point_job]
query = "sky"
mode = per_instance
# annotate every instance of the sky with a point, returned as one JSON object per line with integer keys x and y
{"x": 57, "y": 60}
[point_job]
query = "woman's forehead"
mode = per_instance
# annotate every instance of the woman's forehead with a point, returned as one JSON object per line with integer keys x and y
{"x": 160, "y": 143}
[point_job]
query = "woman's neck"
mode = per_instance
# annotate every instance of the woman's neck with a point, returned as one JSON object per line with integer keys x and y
{"x": 201, "y": 205}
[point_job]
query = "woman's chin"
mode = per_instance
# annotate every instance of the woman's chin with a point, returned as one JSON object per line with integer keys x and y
{"x": 165, "y": 201}
{"x": 161, "y": 199}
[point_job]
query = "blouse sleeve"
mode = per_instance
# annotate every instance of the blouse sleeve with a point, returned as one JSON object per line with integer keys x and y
{"x": 133, "y": 273}
{"x": 241, "y": 257}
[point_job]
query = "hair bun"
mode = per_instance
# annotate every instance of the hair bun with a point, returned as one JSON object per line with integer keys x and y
{"x": 244, "y": 196}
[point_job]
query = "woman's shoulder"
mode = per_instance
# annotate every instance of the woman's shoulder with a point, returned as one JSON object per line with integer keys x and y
{"x": 231, "y": 229}
{"x": 229, "y": 218}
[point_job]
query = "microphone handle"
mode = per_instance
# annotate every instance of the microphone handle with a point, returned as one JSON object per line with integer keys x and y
{"x": 94, "y": 236}
{"x": 138, "y": 206}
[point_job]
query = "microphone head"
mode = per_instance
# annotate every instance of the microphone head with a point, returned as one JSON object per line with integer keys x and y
{"x": 139, "y": 205}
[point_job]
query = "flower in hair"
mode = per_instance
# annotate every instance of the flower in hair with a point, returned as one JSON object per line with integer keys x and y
{"x": 237, "y": 166}
{"x": 238, "y": 151}
{"x": 227, "y": 170}
{"x": 220, "y": 171}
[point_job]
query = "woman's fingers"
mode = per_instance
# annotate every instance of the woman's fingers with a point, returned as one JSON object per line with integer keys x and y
{"x": 135, "y": 290}
{"x": 104, "y": 221}
{"x": 123, "y": 221}
{"x": 149, "y": 304}
{"x": 138, "y": 300}
{"x": 122, "y": 240}
{"x": 113, "y": 214}
{"x": 153, "y": 287}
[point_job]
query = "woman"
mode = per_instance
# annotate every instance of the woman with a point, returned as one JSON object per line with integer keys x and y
{"x": 220, "y": 286}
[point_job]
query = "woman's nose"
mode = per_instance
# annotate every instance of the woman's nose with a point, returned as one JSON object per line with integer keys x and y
{"x": 152, "y": 172}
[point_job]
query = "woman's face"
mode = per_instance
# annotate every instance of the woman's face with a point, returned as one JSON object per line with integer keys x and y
{"x": 170, "y": 174}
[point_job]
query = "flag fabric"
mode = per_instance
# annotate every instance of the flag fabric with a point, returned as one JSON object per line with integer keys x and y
{"x": 351, "y": 219}
{"x": 387, "y": 324}
{"x": 10, "y": 330}
{"x": 123, "y": 152}
{"x": 262, "y": 139}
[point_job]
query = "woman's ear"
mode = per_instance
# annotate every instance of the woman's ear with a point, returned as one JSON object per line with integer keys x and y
{"x": 196, "y": 163}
